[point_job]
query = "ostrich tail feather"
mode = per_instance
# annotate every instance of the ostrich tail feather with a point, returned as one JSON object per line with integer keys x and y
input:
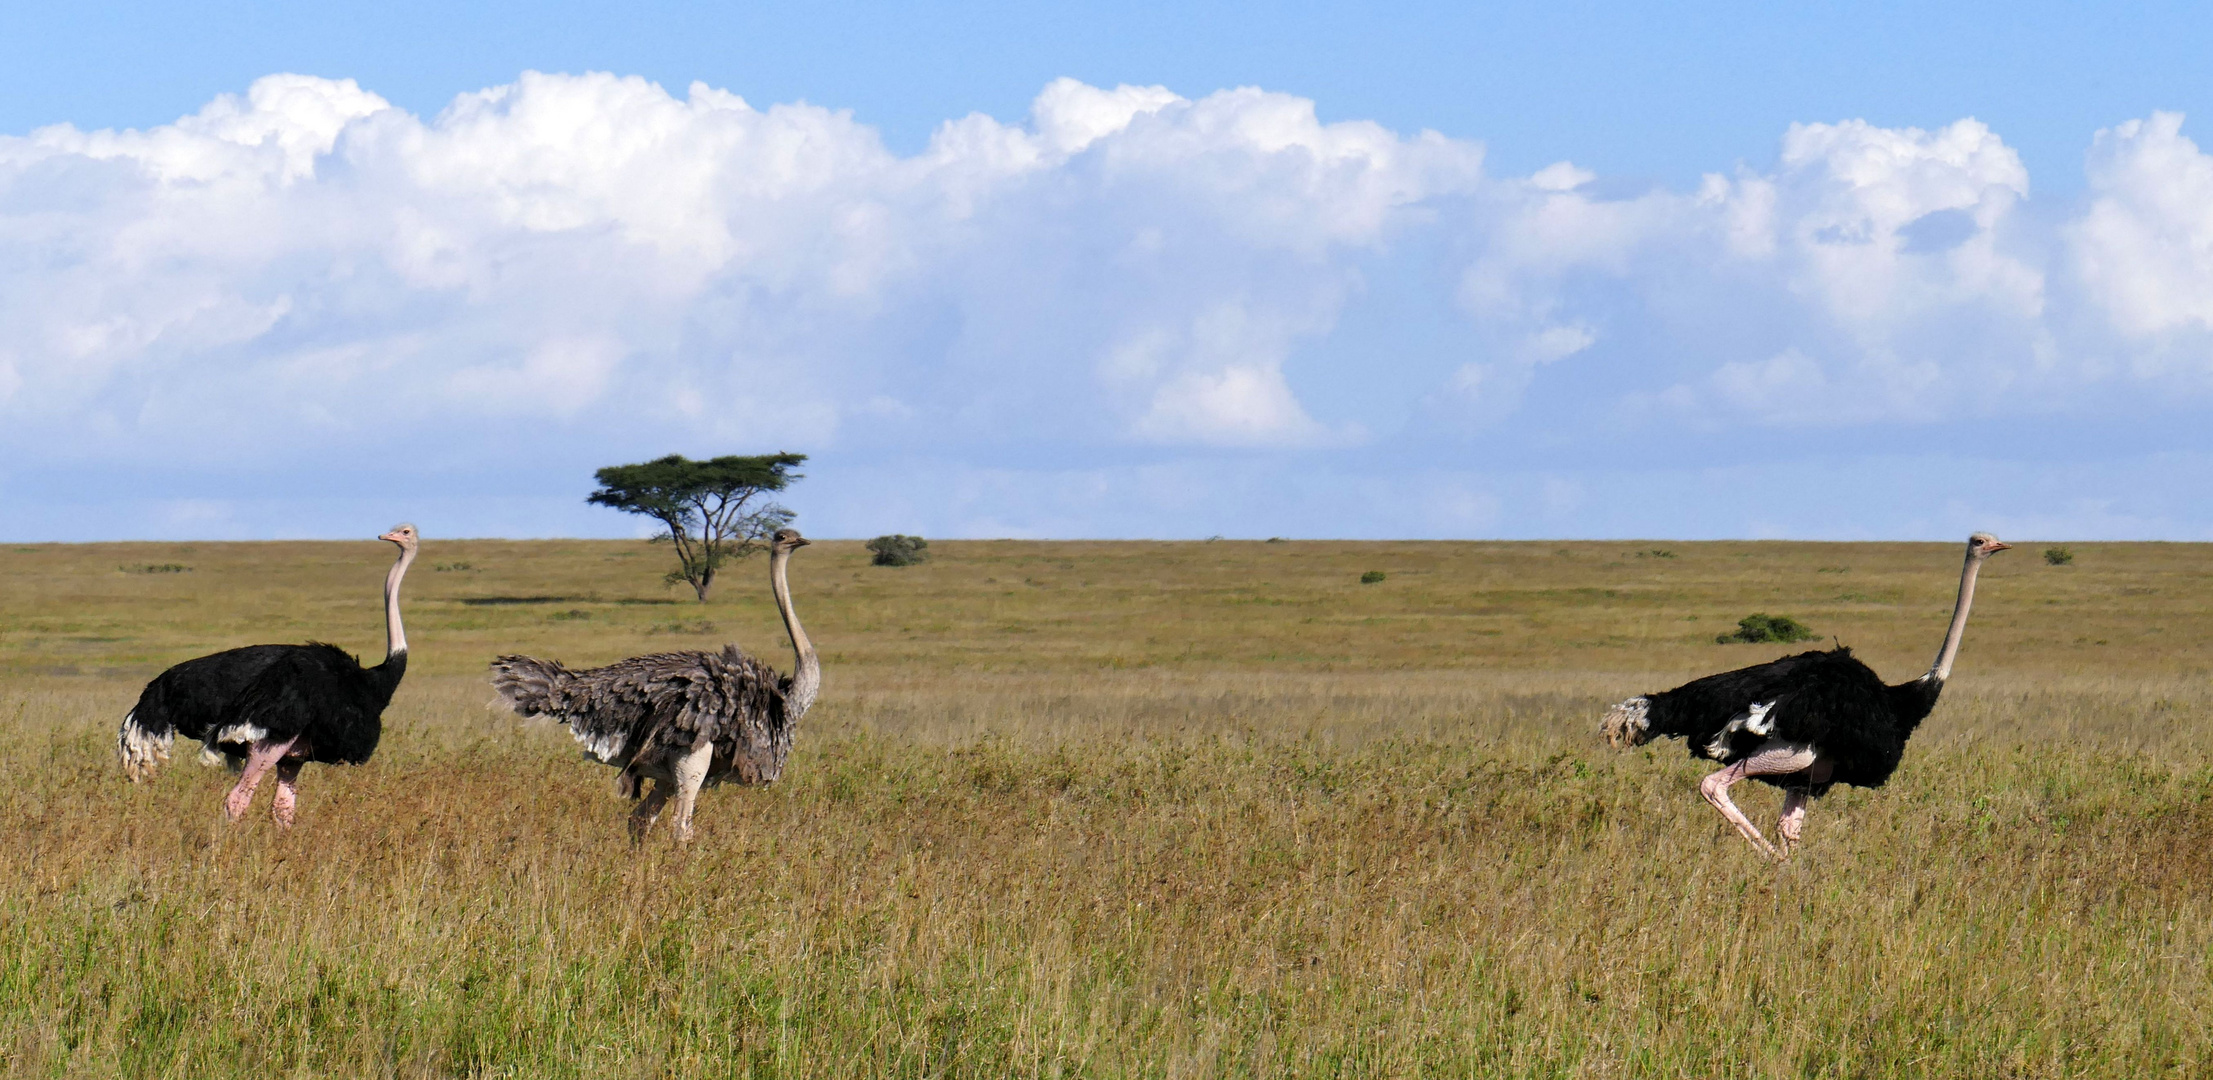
{"x": 1628, "y": 723}
{"x": 531, "y": 686}
{"x": 141, "y": 748}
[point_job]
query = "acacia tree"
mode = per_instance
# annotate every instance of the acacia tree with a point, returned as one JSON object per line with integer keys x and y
{"x": 712, "y": 512}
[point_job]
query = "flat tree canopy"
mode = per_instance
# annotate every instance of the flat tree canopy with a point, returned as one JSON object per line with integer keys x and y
{"x": 712, "y": 511}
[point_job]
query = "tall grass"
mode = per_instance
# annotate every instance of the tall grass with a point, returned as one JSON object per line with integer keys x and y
{"x": 1152, "y": 810}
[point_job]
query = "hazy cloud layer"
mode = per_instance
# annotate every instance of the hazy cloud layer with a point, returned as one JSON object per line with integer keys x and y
{"x": 1132, "y": 313}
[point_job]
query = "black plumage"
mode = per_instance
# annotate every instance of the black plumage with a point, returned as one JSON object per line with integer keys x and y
{"x": 1802, "y": 723}
{"x": 275, "y": 707}
{"x": 1826, "y": 698}
{"x": 229, "y": 699}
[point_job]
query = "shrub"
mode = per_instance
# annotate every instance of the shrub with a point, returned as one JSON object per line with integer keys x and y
{"x": 2058, "y": 556}
{"x": 1371, "y": 577}
{"x": 897, "y": 550}
{"x": 1757, "y": 628}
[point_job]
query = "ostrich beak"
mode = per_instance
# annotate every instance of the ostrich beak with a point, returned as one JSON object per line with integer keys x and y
{"x": 1998, "y": 545}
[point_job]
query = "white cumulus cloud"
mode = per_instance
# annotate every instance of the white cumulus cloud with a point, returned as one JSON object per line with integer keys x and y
{"x": 579, "y": 268}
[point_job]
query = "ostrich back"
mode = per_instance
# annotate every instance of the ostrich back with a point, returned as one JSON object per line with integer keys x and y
{"x": 1827, "y": 698}
{"x": 645, "y": 712}
{"x": 228, "y": 699}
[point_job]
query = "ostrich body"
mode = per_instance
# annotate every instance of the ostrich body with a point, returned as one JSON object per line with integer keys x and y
{"x": 275, "y": 707}
{"x": 1801, "y": 723}
{"x": 684, "y": 720}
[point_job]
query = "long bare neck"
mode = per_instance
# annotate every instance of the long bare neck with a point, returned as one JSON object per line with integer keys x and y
{"x": 1942, "y": 669}
{"x": 806, "y": 674}
{"x": 395, "y": 635}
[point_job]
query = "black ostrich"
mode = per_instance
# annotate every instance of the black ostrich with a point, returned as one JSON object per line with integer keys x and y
{"x": 1800, "y": 723}
{"x": 280, "y": 706}
{"x": 684, "y": 720}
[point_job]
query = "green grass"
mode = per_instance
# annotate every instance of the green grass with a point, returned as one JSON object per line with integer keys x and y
{"x": 1095, "y": 809}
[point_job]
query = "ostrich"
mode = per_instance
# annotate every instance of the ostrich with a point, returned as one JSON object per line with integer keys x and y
{"x": 683, "y": 720}
{"x": 1800, "y": 723}
{"x": 273, "y": 706}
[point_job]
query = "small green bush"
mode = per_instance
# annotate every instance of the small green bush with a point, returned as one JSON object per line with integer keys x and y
{"x": 156, "y": 568}
{"x": 1757, "y": 628}
{"x": 1371, "y": 577}
{"x": 2058, "y": 556}
{"x": 897, "y": 550}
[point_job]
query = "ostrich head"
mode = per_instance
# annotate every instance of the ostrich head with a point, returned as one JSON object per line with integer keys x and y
{"x": 402, "y": 534}
{"x": 786, "y": 541}
{"x": 1982, "y": 545}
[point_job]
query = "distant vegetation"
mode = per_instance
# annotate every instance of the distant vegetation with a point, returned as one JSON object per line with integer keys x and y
{"x": 897, "y": 550}
{"x": 1371, "y": 577}
{"x": 1756, "y": 629}
{"x": 2058, "y": 556}
{"x": 156, "y": 568}
{"x": 712, "y": 512}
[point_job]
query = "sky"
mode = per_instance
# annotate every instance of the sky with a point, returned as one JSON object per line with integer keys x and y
{"x": 1086, "y": 270}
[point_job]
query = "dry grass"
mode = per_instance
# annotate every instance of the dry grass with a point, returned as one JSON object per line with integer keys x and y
{"x": 1126, "y": 809}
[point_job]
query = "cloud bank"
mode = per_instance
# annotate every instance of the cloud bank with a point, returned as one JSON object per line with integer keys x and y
{"x": 1131, "y": 313}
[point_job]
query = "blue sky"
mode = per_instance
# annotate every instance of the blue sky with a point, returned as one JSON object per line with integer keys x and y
{"x": 1110, "y": 270}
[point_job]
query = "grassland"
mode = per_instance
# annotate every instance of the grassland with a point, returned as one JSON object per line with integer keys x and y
{"x": 1125, "y": 809}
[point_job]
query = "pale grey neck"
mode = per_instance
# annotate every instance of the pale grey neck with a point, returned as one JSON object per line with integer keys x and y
{"x": 806, "y": 674}
{"x": 395, "y": 635}
{"x": 1942, "y": 669}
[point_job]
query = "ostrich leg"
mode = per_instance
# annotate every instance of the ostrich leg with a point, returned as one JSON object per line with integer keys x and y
{"x": 1794, "y": 805}
{"x": 288, "y": 790}
{"x": 1774, "y": 758}
{"x": 648, "y": 811}
{"x": 691, "y": 772}
{"x": 260, "y": 757}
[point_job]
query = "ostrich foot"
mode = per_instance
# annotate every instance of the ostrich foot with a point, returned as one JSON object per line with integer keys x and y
{"x": 260, "y": 758}
{"x": 648, "y": 812}
{"x": 1793, "y": 823}
{"x": 288, "y": 791}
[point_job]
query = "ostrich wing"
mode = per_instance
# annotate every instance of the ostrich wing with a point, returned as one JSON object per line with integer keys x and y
{"x": 318, "y": 690}
{"x": 1802, "y": 698}
{"x": 617, "y": 710}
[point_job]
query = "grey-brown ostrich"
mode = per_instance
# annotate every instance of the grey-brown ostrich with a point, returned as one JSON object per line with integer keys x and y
{"x": 1801, "y": 723}
{"x": 684, "y": 720}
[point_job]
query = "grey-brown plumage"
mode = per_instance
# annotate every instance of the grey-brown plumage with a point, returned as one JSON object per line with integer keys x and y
{"x": 684, "y": 720}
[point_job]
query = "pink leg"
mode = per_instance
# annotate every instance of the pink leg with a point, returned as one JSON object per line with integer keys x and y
{"x": 1773, "y": 759}
{"x": 288, "y": 790}
{"x": 260, "y": 757}
{"x": 1794, "y": 806}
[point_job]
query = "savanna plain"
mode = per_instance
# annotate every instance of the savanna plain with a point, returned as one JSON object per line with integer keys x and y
{"x": 1125, "y": 809}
